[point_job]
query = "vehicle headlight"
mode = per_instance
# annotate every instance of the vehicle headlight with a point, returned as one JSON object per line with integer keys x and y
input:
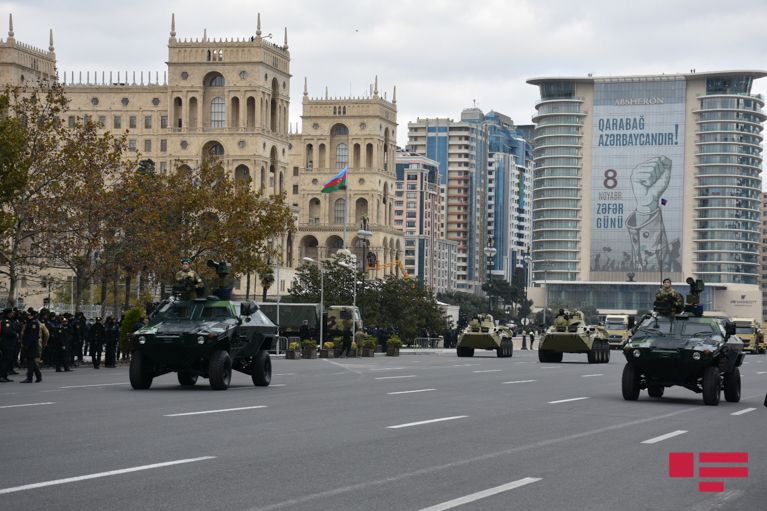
{"x": 696, "y": 355}
{"x": 142, "y": 339}
{"x": 200, "y": 339}
{"x": 636, "y": 353}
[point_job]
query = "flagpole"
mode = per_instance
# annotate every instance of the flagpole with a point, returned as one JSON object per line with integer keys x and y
{"x": 346, "y": 219}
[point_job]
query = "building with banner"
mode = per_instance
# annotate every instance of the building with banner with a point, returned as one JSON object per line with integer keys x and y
{"x": 640, "y": 178}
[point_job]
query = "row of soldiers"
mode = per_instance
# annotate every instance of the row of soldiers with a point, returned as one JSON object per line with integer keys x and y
{"x": 31, "y": 339}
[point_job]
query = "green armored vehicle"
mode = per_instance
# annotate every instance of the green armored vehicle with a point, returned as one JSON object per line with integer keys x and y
{"x": 699, "y": 353}
{"x": 205, "y": 337}
{"x": 571, "y": 334}
{"x": 482, "y": 333}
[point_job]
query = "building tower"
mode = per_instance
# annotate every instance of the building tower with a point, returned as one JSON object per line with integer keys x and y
{"x": 358, "y": 133}
{"x": 22, "y": 63}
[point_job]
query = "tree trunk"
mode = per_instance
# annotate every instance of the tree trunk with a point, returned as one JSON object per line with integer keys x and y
{"x": 128, "y": 279}
{"x": 141, "y": 282}
{"x": 103, "y": 301}
{"x": 266, "y": 288}
{"x": 11, "y": 300}
{"x": 116, "y": 292}
{"x": 247, "y": 287}
{"x": 79, "y": 285}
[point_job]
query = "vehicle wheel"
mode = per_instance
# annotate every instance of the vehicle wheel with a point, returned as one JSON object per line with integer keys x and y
{"x": 262, "y": 370}
{"x": 712, "y": 383}
{"x": 630, "y": 383}
{"x": 220, "y": 370}
{"x": 187, "y": 379}
{"x": 655, "y": 390}
{"x": 556, "y": 357}
{"x": 732, "y": 386}
{"x": 543, "y": 355}
{"x": 592, "y": 356}
{"x": 139, "y": 372}
{"x": 510, "y": 344}
{"x": 465, "y": 352}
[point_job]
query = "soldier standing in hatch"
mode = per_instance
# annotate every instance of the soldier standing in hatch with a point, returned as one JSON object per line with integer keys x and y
{"x": 188, "y": 279}
{"x": 672, "y": 300}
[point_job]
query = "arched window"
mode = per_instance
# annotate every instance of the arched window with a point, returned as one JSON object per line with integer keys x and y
{"x": 339, "y": 212}
{"x": 342, "y": 155}
{"x": 217, "y": 81}
{"x": 217, "y": 113}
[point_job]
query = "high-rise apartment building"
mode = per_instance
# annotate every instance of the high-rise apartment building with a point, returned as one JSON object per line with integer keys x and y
{"x": 638, "y": 178}
{"x": 763, "y": 257}
{"x": 418, "y": 210}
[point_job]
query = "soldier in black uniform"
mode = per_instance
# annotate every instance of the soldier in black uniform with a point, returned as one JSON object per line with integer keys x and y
{"x": 64, "y": 345}
{"x": 111, "y": 336}
{"x": 8, "y": 342}
{"x": 96, "y": 342}
{"x": 32, "y": 339}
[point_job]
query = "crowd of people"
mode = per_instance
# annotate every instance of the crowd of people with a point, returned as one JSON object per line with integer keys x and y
{"x": 31, "y": 340}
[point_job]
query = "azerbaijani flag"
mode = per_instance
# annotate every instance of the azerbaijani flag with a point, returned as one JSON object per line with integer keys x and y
{"x": 337, "y": 182}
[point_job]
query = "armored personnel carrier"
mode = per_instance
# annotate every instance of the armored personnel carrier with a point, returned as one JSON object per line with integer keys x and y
{"x": 206, "y": 337}
{"x": 482, "y": 333}
{"x": 687, "y": 349}
{"x": 571, "y": 334}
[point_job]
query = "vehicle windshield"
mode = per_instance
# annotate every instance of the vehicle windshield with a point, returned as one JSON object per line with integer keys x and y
{"x": 176, "y": 311}
{"x": 682, "y": 327}
{"x": 216, "y": 311}
{"x": 615, "y": 325}
{"x": 743, "y": 330}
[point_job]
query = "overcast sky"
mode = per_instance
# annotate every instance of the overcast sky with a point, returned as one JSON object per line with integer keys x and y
{"x": 441, "y": 54}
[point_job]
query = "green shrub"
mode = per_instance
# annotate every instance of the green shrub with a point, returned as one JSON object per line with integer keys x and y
{"x": 128, "y": 325}
{"x": 329, "y": 345}
{"x": 394, "y": 341}
{"x": 294, "y": 346}
{"x": 309, "y": 344}
{"x": 369, "y": 342}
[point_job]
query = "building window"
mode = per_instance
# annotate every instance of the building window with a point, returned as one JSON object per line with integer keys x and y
{"x": 102, "y": 121}
{"x": 163, "y": 166}
{"x": 295, "y": 171}
{"x": 295, "y": 189}
{"x": 163, "y": 121}
{"x": 148, "y": 122}
{"x": 132, "y": 144}
{"x": 217, "y": 113}
{"x": 163, "y": 145}
{"x": 339, "y": 216}
{"x": 71, "y": 121}
{"x": 147, "y": 145}
{"x": 118, "y": 122}
{"x": 342, "y": 155}
{"x": 217, "y": 81}
{"x": 132, "y": 122}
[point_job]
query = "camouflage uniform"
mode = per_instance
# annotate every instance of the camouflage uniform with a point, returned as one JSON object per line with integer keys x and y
{"x": 671, "y": 298}
{"x": 188, "y": 282}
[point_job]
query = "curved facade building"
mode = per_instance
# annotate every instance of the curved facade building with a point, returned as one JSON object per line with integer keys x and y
{"x": 638, "y": 178}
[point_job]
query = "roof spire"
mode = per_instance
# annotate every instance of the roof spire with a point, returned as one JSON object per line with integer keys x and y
{"x": 10, "y": 27}
{"x": 50, "y": 42}
{"x": 326, "y": 92}
{"x": 394, "y": 95}
{"x": 286, "y": 38}
{"x": 375, "y": 89}
{"x": 173, "y": 25}
{"x": 258, "y": 26}
{"x": 306, "y": 87}
{"x": 204, "y": 34}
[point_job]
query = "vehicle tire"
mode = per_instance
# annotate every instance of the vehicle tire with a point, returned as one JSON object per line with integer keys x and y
{"x": 220, "y": 370}
{"x": 262, "y": 369}
{"x": 630, "y": 383}
{"x": 139, "y": 372}
{"x": 593, "y": 356}
{"x": 732, "y": 386}
{"x": 655, "y": 390}
{"x": 712, "y": 386}
{"x": 465, "y": 352}
{"x": 511, "y": 347}
{"x": 186, "y": 379}
{"x": 543, "y": 355}
{"x": 556, "y": 357}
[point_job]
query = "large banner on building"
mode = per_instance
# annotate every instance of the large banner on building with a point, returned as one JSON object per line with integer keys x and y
{"x": 637, "y": 177}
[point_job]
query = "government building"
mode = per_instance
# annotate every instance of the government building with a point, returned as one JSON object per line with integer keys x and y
{"x": 640, "y": 178}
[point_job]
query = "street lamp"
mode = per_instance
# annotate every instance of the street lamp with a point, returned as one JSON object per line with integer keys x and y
{"x": 322, "y": 294}
{"x": 528, "y": 278}
{"x": 353, "y": 269}
{"x": 490, "y": 252}
{"x": 364, "y": 234}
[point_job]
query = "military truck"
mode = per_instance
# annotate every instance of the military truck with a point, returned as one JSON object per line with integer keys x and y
{"x": 483, "y": 333}
{"x": 688, "y": 349}
{"x": 618, "y": 330}
{"x": 292, "y": 316}
{"x": 203, "y": 337}
{"x": 571, "y": 334}
{"x": 750, "y": 332}
{"x": 338, "y": 316}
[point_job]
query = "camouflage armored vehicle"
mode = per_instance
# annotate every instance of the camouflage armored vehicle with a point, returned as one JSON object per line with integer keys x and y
{"x": 687, "y": 349}
{"x": 571, "y": 334}
{"x": 205, "y": 337}
{"x": 482, "y": 333}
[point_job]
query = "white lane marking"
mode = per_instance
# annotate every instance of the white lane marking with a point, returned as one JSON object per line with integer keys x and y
{"x": 386, "y": 369}
{"x": 409, "y": 392}
{"x": 488, "y": 371}
{"x": 284, "y": 374}
{"x": 28, "y": 404}
{"x": 337, "y": 374}
{"x": 464, "y": 365}
{"x": 550, "y": 367}
{"x": 745, "y": 410}
{"x": 592, "y": 375}
{"x": 395, "y": 377}
{"x": 430, "y": 421}
{"x": 567, "y": 400}
{"x": 761, "y": 372}
{"x": 101, "y": 474}
{"x": 451, "y": 467}
{"x": 94, "y": 385}
{"x": 450, "y": 504}
{"x": 519, "y": 381}
{"x": 216, "y": 411}
{"x": 277, "y": 385}
{"x": 521, "y": 363}
{"x": 665, "y": 437}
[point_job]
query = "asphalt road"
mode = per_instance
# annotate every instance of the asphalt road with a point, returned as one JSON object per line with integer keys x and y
{"x": 417, "y": 432}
